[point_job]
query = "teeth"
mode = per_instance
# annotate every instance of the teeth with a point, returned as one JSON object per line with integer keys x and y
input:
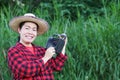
{"x": 30, "y": 37}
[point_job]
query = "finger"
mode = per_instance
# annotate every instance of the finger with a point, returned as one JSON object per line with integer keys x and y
{"x": 52, "y": 48}
{"x": 54, "y": 51}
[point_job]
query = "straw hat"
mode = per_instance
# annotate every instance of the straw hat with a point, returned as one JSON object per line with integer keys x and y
{"x": 42, "y": 24}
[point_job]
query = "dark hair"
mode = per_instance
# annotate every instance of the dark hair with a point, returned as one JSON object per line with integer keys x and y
{"x": 21, "y": 25}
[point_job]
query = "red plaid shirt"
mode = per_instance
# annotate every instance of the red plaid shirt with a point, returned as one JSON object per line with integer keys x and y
{"x": 28, "y": 66}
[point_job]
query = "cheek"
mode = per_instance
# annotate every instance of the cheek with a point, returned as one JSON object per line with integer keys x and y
{"x": 35, "y": 33}
{"x": 21, "y": 33}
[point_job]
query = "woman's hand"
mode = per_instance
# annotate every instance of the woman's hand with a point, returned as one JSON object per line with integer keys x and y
{"x": 48, "y": 54}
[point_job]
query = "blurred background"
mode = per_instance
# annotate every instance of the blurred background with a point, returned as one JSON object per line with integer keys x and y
{"x": 92, "y": 27}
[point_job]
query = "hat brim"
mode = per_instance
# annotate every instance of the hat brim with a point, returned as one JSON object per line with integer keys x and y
{"x": 42, "y": 24}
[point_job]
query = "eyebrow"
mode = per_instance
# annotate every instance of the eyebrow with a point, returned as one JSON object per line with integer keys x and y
{"x": 26, "y": 25}
{"x": 30, "y": 26}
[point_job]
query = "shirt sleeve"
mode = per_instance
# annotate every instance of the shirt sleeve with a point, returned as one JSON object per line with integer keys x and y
{"x": 58, "y": 62}
{"x": 22, "y": 67}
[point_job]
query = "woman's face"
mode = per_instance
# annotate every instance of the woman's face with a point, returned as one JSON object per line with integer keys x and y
{"x": 28, "y": 32}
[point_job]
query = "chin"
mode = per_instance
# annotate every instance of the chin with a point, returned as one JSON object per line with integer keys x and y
{"x": 29, "y": 41}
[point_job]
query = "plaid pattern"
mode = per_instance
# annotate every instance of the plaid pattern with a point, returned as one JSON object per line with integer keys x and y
{"x": 28, "y": 66}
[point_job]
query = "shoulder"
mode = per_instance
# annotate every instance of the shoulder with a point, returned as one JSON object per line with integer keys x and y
{"x": 13, "y": 49}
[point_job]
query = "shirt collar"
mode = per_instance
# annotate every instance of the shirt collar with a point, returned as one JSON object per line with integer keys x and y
{"x": 20, "y": 45}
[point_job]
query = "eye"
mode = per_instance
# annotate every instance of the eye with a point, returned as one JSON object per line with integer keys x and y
{"x": 27, "y": 27}
{"x": 34, "y": 29}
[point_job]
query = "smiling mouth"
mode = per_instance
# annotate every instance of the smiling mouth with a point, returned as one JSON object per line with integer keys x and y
{"x": 29, "y": 37}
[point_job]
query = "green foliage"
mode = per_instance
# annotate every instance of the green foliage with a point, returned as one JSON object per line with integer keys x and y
{"x": 93, "y": 47}
{"x": 62, "y": 8}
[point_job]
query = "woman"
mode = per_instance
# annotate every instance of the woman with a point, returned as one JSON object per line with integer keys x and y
{"x": 28, "y": 61}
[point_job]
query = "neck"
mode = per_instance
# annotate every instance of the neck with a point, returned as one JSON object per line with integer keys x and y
{"x": 26, "y": 44}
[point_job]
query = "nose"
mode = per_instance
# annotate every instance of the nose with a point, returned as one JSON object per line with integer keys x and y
{"x": 31, "y": 31}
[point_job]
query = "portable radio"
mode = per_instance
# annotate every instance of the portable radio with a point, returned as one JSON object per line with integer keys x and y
{"x": 57, "y": 41}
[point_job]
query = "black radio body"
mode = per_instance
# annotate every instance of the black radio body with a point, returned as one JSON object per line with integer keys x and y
{"x": 57, "y": 41}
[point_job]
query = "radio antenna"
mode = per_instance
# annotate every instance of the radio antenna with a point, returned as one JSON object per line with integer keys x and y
{"x": 66, "y": 27}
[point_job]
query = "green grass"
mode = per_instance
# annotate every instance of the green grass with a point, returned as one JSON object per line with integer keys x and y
{"x": 93, "y": 45}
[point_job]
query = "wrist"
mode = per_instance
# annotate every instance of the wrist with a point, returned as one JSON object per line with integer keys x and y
{"x": 45, "y": 59}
